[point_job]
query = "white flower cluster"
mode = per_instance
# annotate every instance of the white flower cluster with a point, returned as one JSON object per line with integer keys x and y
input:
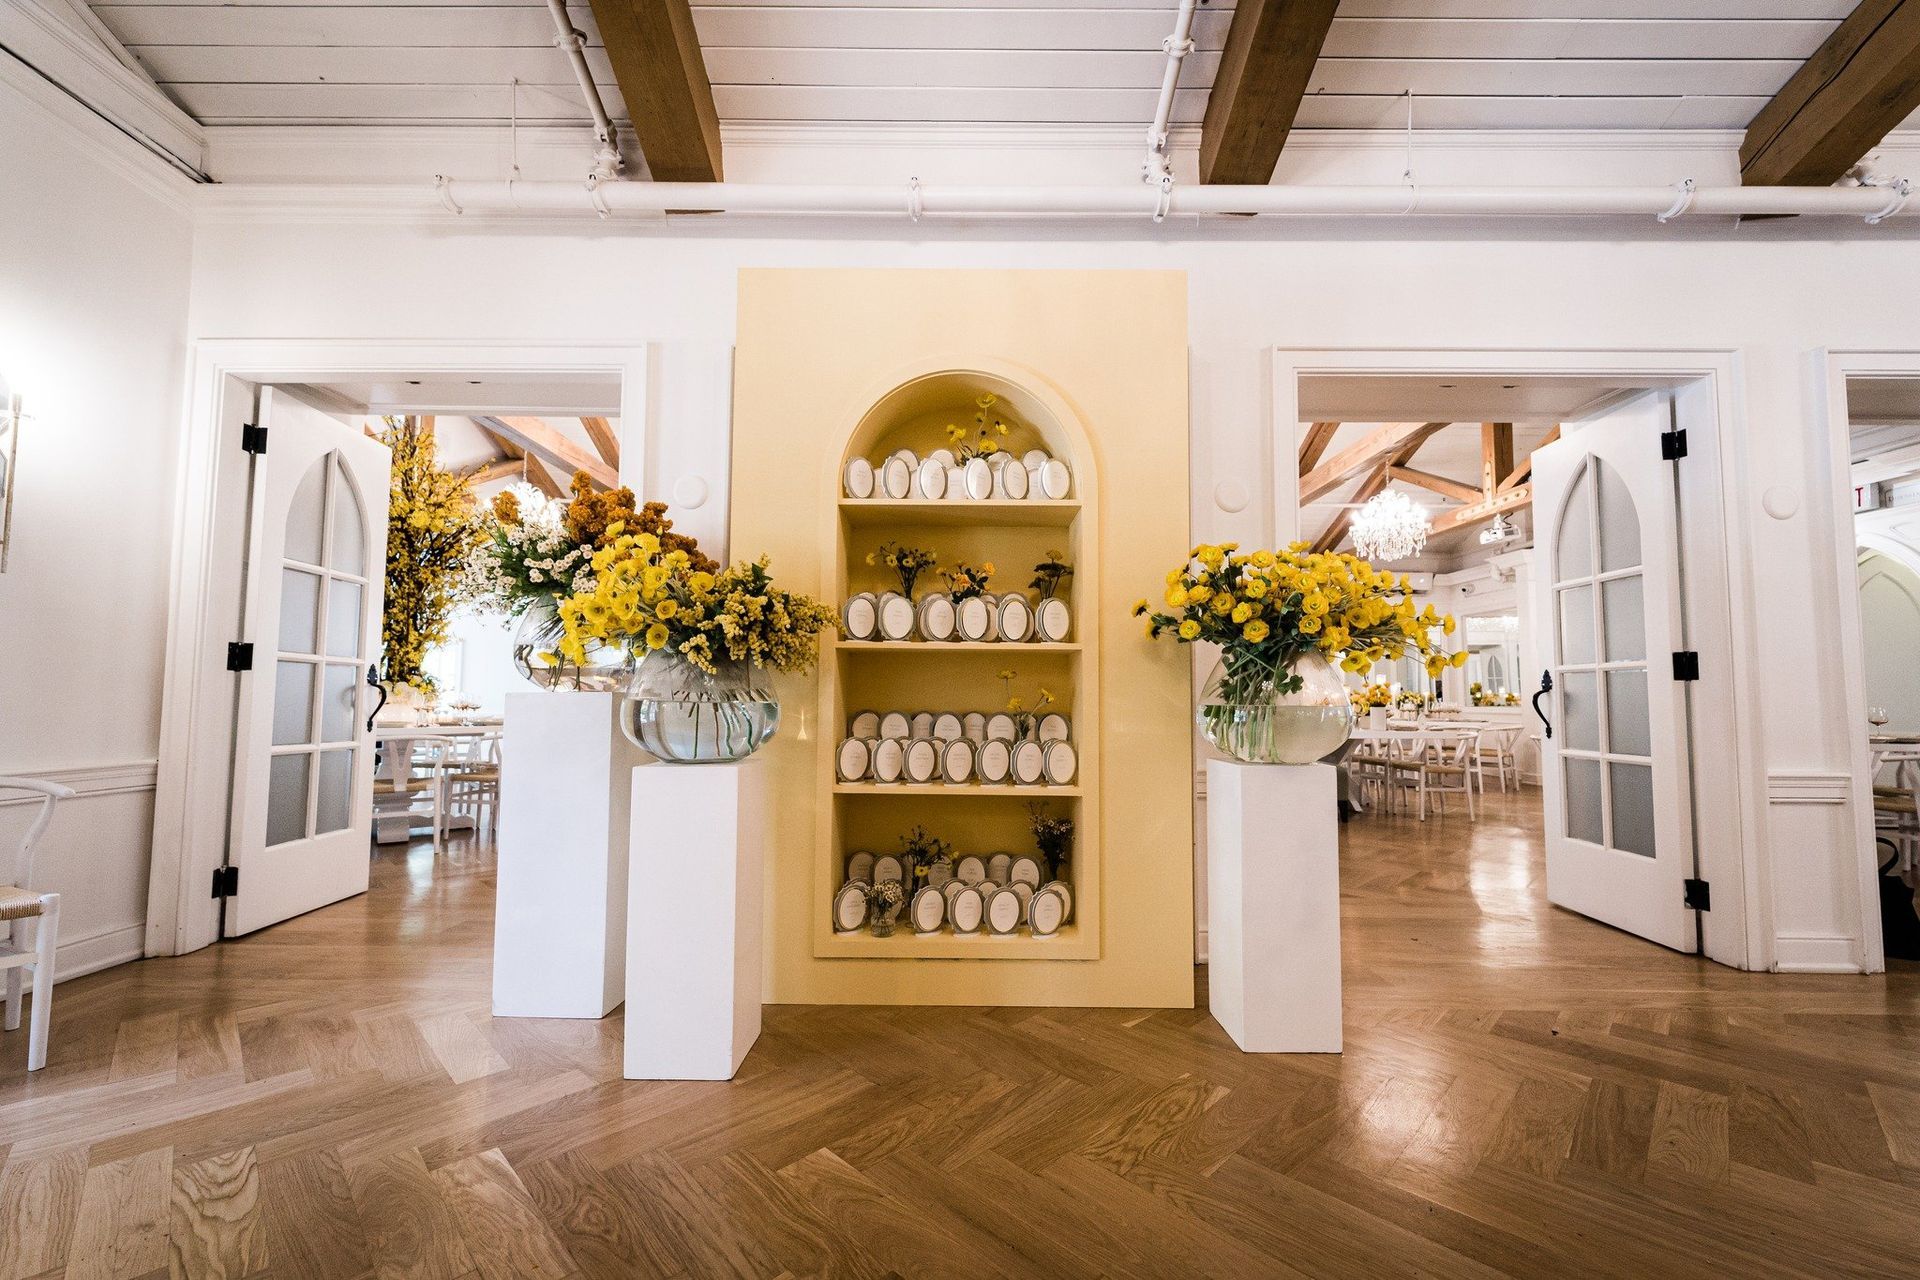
{"x": 535, "y": 557}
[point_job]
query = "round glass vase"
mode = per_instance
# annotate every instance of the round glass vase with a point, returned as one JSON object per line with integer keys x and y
{"x": 1266, "y": 712}
{"x": 536, "y": 656}
{"x": 680, "y": 714}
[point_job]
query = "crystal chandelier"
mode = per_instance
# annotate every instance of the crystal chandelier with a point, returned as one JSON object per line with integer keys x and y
{"x": 1390, "y": 527}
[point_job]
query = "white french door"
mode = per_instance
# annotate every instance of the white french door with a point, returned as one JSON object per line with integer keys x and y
{"x": 303, "y": 755}
{"x": 1618, "y": 800}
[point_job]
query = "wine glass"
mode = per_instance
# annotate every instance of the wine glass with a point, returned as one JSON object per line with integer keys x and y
{"x": 1877, "y": 716}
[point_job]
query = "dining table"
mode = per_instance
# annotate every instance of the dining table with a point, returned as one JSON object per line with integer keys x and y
{"x": 393, "y": 816}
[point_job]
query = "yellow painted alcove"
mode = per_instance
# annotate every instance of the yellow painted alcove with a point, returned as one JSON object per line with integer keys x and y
{"x": 832, "y": 364}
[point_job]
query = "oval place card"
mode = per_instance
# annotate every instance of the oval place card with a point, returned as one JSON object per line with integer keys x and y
{"x": 1054, "y": 727}
{"x": 1052, "y": 620}
{"x": 923, "y": 760}
{"x": 853, "y": 759}
{"x": 895, "y": 724}
{"x": 1046, "y": 913}
{"x": 860, "y": 616}
{"x": 993, "y": 761}
{"x": 889, "y": 759}
{"x": 931, "y": 480}
{"x": 1055, "y": 481}
{"x": 907, "y": 456}
{"x": 865, "y": 724}
{"x": 956, "y": 762}
{"x": 887, "y": 867}
{"x": 1034, "y": 459}
{"x": 971, "y": 869}
{"x": 896, "y": 478}
{"x": 849, "y": 908}
{"x": 979, "y": 479}
{"x": 974, "y": 725}
{"x": 965, "y": 910}
{"x": 951, "y": 887}
{"x": 1065, "y": 892}
{"x": 1025, "y": 893}
{"x": 975, "y": 620}
{"x": 999, "y": 866}
{"x": 1025, "y": 870}
{"x": 946, "y": 726}
{"x": 1029, "y": 763}
{"x": 1011, "y": 482}
{"x": 921, "y": 725}
{"x": 956, "y": 483}
{"x": 896, "y": 616}
{"x": 944, "y": 457}
{"x": 1003, "y": 912}
{"x": 940, "y": 873}
{"x": 857, "y": 478}
{"x": 929, "y": 910}
{"x": 860, "y": 867}
{"x": 1002, "y": 727}
{"x": 1014, "y": 617}
{"x": 937, "y": 618}
{"x": 1059, "y": 763}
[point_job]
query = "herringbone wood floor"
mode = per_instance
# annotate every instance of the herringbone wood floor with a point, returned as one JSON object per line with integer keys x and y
{"x": 1523, "y": 1092}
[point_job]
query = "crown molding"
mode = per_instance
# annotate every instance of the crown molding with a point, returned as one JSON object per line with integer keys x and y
{"x": 98, "y": 139}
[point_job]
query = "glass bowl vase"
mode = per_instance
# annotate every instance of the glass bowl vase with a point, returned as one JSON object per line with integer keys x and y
{"x": 1266, "y": 711}
{"x": 537, "y": 657}
{"x": 680, "y": 714}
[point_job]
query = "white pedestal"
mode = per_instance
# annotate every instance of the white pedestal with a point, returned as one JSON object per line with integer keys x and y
{"x": 560, "y": 919}
{"x": 1273, "y": 906}
{"x": 694, "y": 920}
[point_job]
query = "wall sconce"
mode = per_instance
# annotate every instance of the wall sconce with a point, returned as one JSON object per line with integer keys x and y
{"x": 10, "y": 419}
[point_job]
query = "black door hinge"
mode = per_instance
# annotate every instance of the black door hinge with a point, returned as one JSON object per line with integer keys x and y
{"x": 1673, "y": 444}
{"x": 226, "y": 881}
{"x": 1698, "y": 895}
{"x": 239, "y": 656}
{"x": 1686, "y": 665}
{"x": 253, "y": 439}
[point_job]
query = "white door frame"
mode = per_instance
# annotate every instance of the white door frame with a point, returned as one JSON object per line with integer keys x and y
{"x": 1707, "y": 383}
{"x": 1830, "y": 373}
{"x": 196, "y": 729}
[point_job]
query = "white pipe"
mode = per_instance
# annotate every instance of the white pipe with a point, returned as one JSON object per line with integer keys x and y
{"x": 1159, "y": 167}
{"x": 606, "y": 161}
{"x": 1871, "y": 203}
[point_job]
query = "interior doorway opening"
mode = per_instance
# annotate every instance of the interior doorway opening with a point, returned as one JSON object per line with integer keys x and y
{"x": 1549, "y": 515}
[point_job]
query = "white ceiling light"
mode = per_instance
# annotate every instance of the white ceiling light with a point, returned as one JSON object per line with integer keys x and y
{"x": 1390, "y": 527}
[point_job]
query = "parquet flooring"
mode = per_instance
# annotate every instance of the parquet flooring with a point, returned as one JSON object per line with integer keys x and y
{"x": 1524, "y": 1093}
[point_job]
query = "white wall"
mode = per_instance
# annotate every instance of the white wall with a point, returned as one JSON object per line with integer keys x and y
{"x": 94, "y": 280}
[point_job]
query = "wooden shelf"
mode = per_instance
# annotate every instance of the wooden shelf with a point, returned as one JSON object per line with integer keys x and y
{"x": 1068, "y": 944}
{"x": 1008, "y": 647}
{"x": 1046, "y": 514}
{"x": 964, "y": 790}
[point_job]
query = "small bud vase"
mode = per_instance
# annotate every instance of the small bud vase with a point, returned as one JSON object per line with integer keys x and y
{"x": 1264, "y": 712}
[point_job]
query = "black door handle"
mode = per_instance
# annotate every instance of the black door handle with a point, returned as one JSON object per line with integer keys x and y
{"x": 1546, "y": 687}
{"x": 373, "y": 680}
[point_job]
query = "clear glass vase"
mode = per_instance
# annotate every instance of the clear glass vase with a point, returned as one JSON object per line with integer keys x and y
{"x": 537, "y": 656}
{"x": 1267, "y": 712}
{"x": 678, "y": 713}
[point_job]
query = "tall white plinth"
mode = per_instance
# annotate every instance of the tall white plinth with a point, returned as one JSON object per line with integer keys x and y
{"x": 560, "y": 916}
{"x": 694, "y": 919}
{"x": 1273, "y": 906}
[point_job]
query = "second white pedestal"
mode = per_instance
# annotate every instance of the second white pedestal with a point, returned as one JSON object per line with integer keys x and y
{"x": 1273, "y": 906}
{"x": 694, "y": 919}
{"x": 560, "y": 911}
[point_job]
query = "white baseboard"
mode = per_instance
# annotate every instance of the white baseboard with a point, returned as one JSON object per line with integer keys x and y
{"x": 1200, "y": 945}
{"x": 1816, "y": 953}
{"x": 77, "y": 957}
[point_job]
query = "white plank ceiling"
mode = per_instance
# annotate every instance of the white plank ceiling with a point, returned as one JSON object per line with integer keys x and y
{"x": 1471, "y": 64}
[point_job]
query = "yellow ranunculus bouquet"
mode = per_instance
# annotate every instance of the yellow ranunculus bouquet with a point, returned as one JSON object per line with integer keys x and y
{"x": 1270, "y": 612}
{"x": 655, "y": 599}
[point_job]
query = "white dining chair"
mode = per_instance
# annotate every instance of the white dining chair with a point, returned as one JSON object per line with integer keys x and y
{"x": 421, "y": 778}
{"x": 19, "y": 904}
{"x": 473, "y": 781}
{"x": 1495, "y": 747}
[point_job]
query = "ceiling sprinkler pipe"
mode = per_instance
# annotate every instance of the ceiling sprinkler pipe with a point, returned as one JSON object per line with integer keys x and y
{"x": 1158, "y": 168}
{"x": 607, "y": 162}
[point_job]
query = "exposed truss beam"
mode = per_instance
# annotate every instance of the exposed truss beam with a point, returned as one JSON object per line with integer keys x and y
{"x": 1523, "y": 471}
{"x": 1454, "y": 489}
{"x": 656, "y": 58}
{"x": 530, "y": 467}
{"x": 1496, "y": 455}
{"x": 534, "y": 436}
{"x": 1386, "y": 442}
{"x": 1841, "y": 102}
{"x": 1314, "y": 443}
{"x": 1486, "y": 509}
{"x": 498, "y": 469}
{"x": 1264, "y": 69}
{"x": 606, "y": 441}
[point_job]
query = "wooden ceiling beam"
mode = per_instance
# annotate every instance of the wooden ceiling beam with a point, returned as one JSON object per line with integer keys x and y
{"x": 531, "y": 469}
{"x": 606, "y": 441}
{"x": 1858, "y": 85}
{"x": 1486, "y": 509}
{"x": 1496, "y": 455}
{"x": 1523, "y": 470}
{"x": 656, "y": 57}
{"x": 498, "y": 469}
{"x": 1314, "y": 443}
{"x": 1264, "y": 70}
{"x": 1397, "y": 442}
{"x": 1454, "y": 489}
{"x": 535, "y": 437}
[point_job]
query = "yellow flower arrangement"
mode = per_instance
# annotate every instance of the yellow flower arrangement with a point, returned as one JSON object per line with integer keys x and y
{"x": 433, "y": 525}
{"x": 648, "y": 596}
